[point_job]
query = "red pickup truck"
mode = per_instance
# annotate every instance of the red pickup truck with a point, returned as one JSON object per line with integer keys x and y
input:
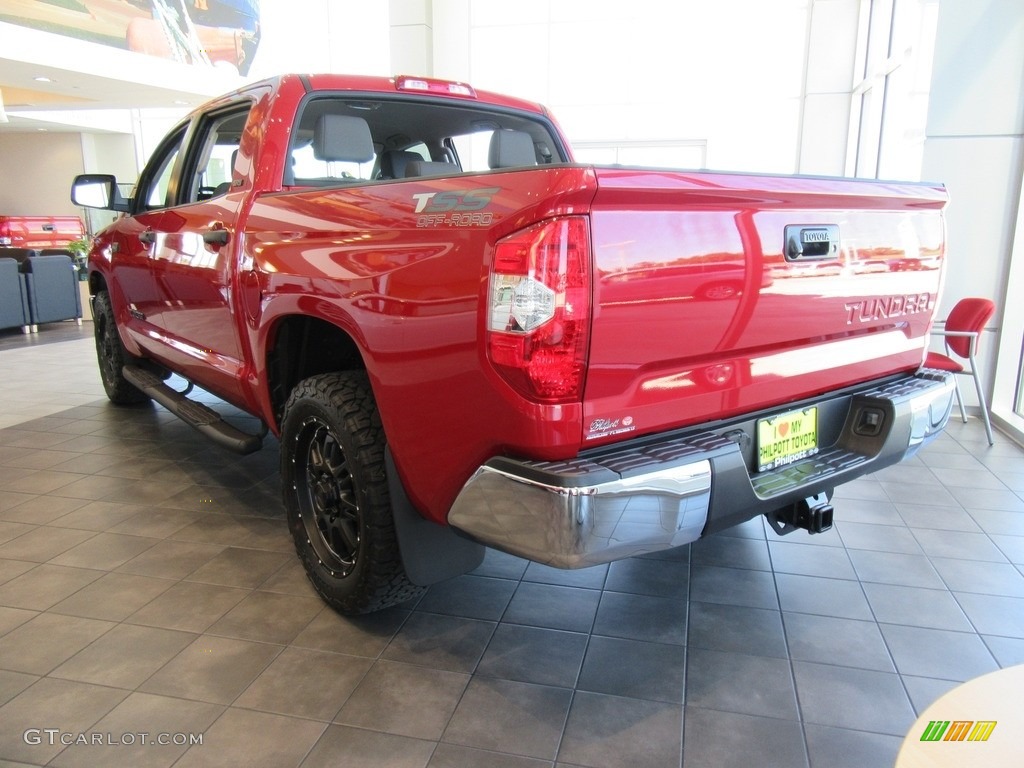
{"x": 462, "y": 337}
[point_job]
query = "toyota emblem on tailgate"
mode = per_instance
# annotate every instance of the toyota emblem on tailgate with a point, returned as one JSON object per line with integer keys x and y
{"x": 806, "y": 242}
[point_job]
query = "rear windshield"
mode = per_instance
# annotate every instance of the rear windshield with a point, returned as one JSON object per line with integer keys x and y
{"x": 342, "y": 140}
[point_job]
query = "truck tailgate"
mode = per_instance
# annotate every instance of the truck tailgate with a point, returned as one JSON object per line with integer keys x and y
{"x": 719, "y": 294}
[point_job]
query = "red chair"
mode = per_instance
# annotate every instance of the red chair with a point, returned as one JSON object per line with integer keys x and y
{"x": 962, "y": 334}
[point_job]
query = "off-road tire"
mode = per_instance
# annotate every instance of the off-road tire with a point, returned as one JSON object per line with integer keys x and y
{"x": 111, "y": 354}
{"x": 336, "y": 494}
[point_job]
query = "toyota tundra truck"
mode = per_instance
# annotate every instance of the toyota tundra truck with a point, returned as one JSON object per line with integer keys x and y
{"x": 462, "y": 338}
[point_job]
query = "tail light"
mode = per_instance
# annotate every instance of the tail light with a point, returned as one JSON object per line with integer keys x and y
{"x": 539, "y": 309}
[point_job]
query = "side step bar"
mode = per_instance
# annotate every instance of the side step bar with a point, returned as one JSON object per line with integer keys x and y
{"x": 206, "y": 420}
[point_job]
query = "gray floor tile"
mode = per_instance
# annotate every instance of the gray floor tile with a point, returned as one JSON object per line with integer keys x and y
{"x": 531, "y": 718}
{"x": 843, "y": 642}
{"x": 43, "y": 543}
{"x": 40, "y": 510}
{"x": 639, "y": 617}
{"x": 895, "y": 568}
{"x": 472, "y": 597}
{"x": 13, "y": 683}
{"x": 80, "y": 705}
{"x": 342, "y": 745}
{"x": 499, "y": 565}
{"x": 736, "y": 682}
{"x": 730, "y": 740}
{"x": 956, "y": 544}
{"x": 937, "y": 653}
{"x": 805, "y": 559}
{"x": 982, "y": 578}
{"x": 1011, "y": 547}
{"x": 355, "y": 635}
{"x": 212, "y": 669}
{"x": 857, "y": 699}
{"x": 256, "y": 739}
{"x": 1008, "y": 651}
{"x": 137, "y": 715}
{"x": 586, "y": 578}
{"x": 405, "y": 700}
{"x": 908, "y": 493}
{"x": 994, "y": 615}
{"x": 634, "y": 669}
{"x": 534, "y": 655}
{"x": 10, "y": 618}
{"x": 657, "y": 578}
{"x": 940, "y": 518}
{"x": 454, "y": 756}
{"x": 916, "y": 607}
{"x": 172, "y": 559}
{"x": 874, "y": 511}
{"x": 47, "y": 640}
{"x": 824, "y": 597}
{"x": 733, "y": 586}
{"x": 755, "y": 631}
{"x": 112, "y": 597}
{"x": 731, "y": 552}
{"x": 608, "y": 732}
{"x": 44, "y": 586}
{"x": 98, "y": 515}
{"x": 124, "y": 657}
{"x": 999, "y": 522}
{"x": 305, "y": 683}
{"x": 878, "y": 538}
{"x": 441, "y": 642}
{"x": 237, "y": 567}
{"x": 10, "y": 569}
{"x": 268, "y": 617}
{"x": 925, "y": 691}
{"x": 841, "y": 748}
{"x": 553, "y": 607}
{"x": 188, "y": 607}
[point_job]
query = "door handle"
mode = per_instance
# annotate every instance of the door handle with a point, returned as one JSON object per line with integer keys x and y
{"x": 216, "y": 237}
{"x": 148, "y": 237}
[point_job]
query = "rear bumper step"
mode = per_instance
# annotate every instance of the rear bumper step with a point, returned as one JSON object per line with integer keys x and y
{"x": 197, "y": 415}
{"x": 645, "y": 498}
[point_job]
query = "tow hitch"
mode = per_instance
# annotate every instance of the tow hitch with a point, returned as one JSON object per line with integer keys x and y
{"x": 813, "y": 514}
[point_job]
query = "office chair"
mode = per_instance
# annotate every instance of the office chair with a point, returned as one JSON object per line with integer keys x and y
{"x": 962, "y": 334}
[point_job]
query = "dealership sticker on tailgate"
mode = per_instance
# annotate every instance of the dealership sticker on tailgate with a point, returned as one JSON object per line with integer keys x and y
{"x": 786, "y": 438}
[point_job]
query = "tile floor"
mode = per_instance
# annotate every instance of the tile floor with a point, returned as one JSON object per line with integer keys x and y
{"x": 148, "y": 586}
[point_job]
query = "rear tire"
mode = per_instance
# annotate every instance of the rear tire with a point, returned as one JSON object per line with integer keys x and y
{"x": 111, "y": 354}
{"x": 336, "y": 494}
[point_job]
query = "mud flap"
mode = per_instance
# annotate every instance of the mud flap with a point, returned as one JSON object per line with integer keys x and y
{"x": 430, "y": 552}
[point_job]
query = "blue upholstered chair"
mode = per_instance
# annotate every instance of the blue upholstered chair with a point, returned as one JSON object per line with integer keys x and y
{"x": 13, "y": 296}
{"x": 52, "y": 285}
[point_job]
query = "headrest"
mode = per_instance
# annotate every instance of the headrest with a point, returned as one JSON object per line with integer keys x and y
{"x": 394, "y": 163}
{"x": 342, "y": 138}
{"x": 511, "y": 149}
{"x": 424, "y": 168}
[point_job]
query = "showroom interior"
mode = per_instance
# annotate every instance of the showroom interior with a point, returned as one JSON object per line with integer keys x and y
{"x": 148, "y": 581}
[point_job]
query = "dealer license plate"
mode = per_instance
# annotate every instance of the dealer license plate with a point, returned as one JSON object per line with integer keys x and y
{"x": 786, "y": 438}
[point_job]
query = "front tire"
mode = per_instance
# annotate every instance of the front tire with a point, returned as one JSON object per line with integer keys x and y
{"x": 111, "y": 354}
{"x": 336, "y": 494}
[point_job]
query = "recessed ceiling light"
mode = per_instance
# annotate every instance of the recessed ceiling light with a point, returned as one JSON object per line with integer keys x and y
{"x": 42, "y": 79}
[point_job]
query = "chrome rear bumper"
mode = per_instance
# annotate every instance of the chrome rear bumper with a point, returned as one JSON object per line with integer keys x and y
{"x": 662, "y": 494}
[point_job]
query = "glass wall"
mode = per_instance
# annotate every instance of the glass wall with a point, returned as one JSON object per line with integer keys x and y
{"x": 889, "y": 110}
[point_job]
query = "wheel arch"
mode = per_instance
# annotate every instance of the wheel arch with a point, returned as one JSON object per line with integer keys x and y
{"x": 300, "y": 346}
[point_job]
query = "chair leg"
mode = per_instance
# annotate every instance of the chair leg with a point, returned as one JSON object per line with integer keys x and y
{"x": 959, "y": 399}
{"x": 984, "y": 406}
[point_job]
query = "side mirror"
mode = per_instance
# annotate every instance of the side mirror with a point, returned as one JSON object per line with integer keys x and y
{"x": 98, "y": 190}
